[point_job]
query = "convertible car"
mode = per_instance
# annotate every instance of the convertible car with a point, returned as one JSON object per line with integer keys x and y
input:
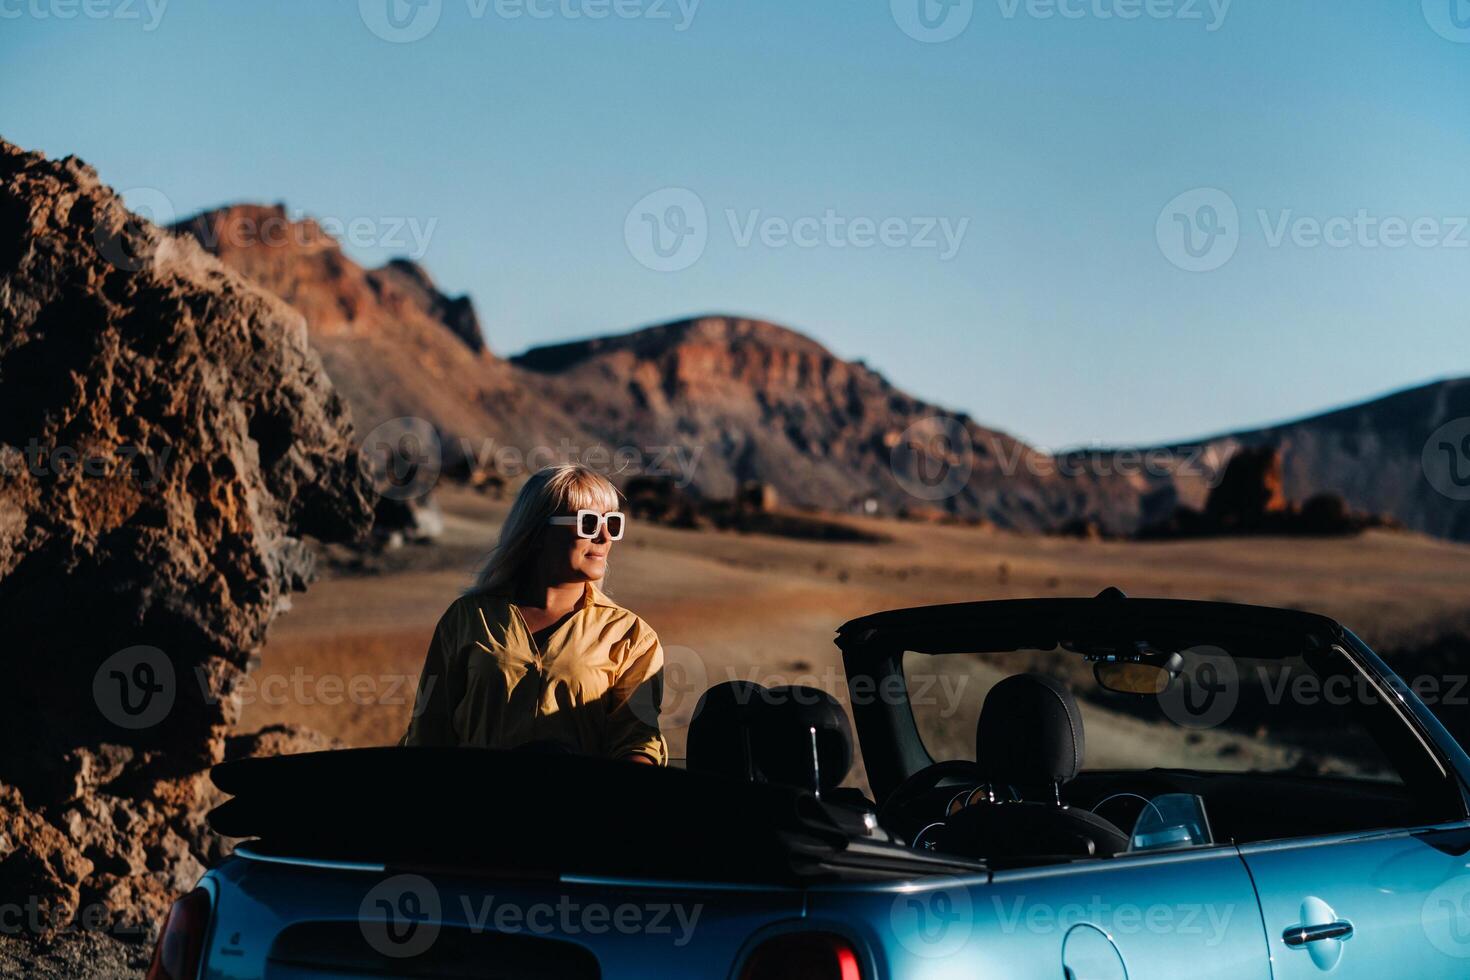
{"x": 1071, "y": 789}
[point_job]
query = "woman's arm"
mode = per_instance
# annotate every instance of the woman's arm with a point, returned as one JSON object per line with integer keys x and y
{"x": 635, "y": 697}
{"x": 432, "y": 722}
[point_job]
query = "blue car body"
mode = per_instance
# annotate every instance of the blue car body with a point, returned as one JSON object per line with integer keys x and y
{"x": 1370, "y": 903}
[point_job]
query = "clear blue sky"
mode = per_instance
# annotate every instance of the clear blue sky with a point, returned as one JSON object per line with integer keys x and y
{"x": 1061, "y": 139}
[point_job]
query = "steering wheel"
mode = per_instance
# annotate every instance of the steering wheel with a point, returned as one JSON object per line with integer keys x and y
{"x": 922, "y": 782}
{"x": 1127, "y": 807}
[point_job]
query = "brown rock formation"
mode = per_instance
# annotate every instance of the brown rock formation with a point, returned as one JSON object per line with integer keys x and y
{"x": 167, "y": 442}
{"x": 742, "y": 400}
{"x": 760, "y": 402}
{"x": 756, "y": 401}
{"x": 1249, "y": 493}
{"x": 412, "y": 281}
{"x": 1392, "y": 456}
{"x": 1250, "y": 499}
{"x": 392, "y": 343}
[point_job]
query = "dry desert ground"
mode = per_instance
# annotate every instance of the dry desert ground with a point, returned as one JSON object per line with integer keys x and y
{"x": 727, "y": 605}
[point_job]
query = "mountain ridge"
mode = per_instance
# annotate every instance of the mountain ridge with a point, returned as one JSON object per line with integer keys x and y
{"x": 760, "y": 401}
{"x": 392, "y": 343}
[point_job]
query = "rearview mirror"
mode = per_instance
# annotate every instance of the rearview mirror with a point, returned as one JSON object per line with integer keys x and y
{"x": 1145, "y": 672}
{"x": 1132, "y": 678}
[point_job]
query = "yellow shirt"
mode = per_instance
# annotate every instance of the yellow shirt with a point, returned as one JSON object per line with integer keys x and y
{"x": 595, "y": 688}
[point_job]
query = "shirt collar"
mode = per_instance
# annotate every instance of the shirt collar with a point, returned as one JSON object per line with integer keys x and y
{"x": 593, "y": 596}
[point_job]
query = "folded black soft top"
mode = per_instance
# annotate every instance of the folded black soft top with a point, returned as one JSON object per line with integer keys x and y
{"x": 531, "y": 814}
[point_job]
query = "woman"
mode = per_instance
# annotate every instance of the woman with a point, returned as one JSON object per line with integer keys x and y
{"x": 534, "y": 653}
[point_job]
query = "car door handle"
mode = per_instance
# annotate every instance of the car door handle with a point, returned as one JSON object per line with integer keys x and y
{"x": 1301, "y": 935}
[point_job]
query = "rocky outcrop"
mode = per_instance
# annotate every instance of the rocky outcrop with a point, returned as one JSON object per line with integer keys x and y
{"x": 1250, "y": 499}
{"x": 168, "y": 443}
{"x": 412, "y": 281}
{"x": 1249, "y": 495}
{"x": 392, "y": 343}
{"x": 721, "y": 401}
{"x": 714, "y": 402}
{"x": 1405, "y": 456}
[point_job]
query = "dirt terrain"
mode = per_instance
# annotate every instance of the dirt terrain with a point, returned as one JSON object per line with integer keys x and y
{"x": 345, "y": 659}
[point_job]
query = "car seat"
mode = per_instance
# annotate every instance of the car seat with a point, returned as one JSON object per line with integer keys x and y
{"x": 1029, "y": 738}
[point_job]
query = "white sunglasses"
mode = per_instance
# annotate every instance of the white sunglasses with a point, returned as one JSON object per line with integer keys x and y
{"x": 588, "y": 522}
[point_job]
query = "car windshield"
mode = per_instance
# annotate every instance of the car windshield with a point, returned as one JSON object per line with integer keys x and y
{"x": 1221, "y": 713}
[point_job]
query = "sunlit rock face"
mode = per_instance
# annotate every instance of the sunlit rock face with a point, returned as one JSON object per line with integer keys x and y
{"x": 168, "y": 442}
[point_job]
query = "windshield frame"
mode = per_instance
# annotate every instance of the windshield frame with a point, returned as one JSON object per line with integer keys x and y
{"x": 873, "y": 649}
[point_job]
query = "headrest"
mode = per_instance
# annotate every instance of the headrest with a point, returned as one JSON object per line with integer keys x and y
{"x": 1029, "y": 733}
{"x": 747, "y": 731}
{"x": 720, "y": 729}
{"x": 783, "y": 737}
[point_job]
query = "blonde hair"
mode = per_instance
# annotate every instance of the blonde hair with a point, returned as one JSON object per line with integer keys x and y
{"x": 554, "y": 490}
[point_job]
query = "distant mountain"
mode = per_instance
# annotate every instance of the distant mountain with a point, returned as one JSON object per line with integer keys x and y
{"x": 392, "y": 343}
{"x": 759, "y": 402}
{"x": 1370, "y": 454}
{"x": 768, "y": 404}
